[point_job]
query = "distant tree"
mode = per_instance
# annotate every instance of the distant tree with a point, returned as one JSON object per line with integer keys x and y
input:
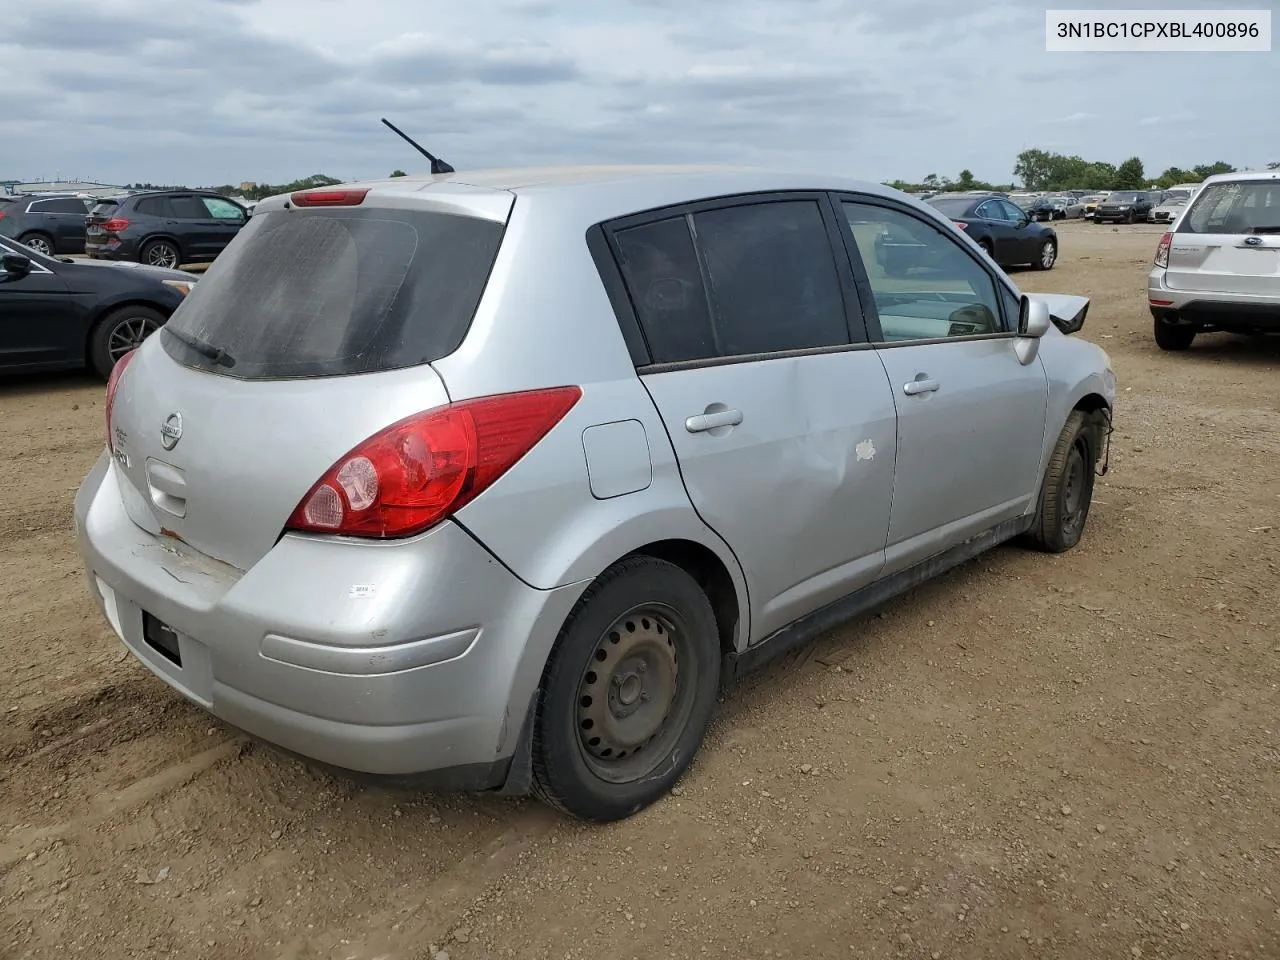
{"x": 965, "y": 181}
{"x": 930, "y": 182}
{"x": 1130, "y": 175}
{"x": 1274, "y": 165}
{"x": 398, "y": 173}
{"x": 1211, "y": 169}
{"x": 1034, "y": 168}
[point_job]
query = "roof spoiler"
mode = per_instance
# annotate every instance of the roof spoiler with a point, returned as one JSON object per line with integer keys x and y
{"x": 1066, "y": 311}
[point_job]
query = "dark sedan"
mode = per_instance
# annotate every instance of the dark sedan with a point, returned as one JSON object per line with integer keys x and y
{"x": 1002, "y": 228}
{"x": 62, "y": 314}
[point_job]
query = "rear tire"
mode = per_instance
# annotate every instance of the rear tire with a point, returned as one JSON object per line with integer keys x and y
{"x": 160, "y": 253}
{"x": 39, "y": 242}
{"x": 1067, "y": 491}
{"x": 1173, "y": 336}
{"x": 627, "y": 693}
{"x": 119, "y": 332}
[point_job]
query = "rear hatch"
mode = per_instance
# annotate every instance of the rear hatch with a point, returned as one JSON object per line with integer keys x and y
{"x": 1228, "y": 241}
{"x": 100, "y": 214}
{"x": 314, "y": 330}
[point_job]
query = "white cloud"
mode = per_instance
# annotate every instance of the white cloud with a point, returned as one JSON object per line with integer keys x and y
{"x": 215, "y": 91}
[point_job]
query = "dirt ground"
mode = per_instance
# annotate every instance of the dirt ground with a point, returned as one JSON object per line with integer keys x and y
{"x": 1056, "y": 757}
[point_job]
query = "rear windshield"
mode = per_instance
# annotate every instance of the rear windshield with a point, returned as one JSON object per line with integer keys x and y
{"x": 336, "y": 292}
{"x": 1123, "y": 196}
{"x": 1242, "y": 207}
{"x": 104, "y": 208}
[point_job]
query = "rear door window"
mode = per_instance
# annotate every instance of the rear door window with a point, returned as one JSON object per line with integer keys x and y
{"x": 761, "y": 278}
{"x": 188, "y": 208}
{"x": 154, "y": 207}
{"x": 316, "y": 293}
{"x": 61, "y": 205}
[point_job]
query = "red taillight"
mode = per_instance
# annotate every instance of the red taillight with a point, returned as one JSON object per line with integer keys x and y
{"x": 329, "y": 198}
{"x": 1162, "y": 250}
{"x": 116, "y": 225}
{"x": 113, "y": 383}
{"x": 420, "y": 470}
{"x": 961, "y": 224}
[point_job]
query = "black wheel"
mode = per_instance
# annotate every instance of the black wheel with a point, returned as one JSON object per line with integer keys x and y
{"x": 39, "y": 242}
{"x": 160, "y": 253}
{"x": 627, "y": 693}
{"x": 1132, "y": 218}
{"x": 1048, "y": 256}
{"x": 1067, "y": 490}
{"x": 1173, "y": 336}
{"x": 119, "y": 332}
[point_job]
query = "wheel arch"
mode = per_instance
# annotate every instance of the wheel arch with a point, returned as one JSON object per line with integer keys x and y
{"x": 161, "y": 235}
{"x": 702, "y": 563}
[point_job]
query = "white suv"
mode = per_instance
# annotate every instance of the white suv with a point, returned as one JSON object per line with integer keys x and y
{"x": 1219, "y": 266}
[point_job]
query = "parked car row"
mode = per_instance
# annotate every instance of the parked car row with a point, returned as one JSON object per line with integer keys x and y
{"x": 544, "y": 513}
{"x": 158, "y": 228}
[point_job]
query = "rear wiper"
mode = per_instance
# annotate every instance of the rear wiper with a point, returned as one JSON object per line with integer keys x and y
{"x": 207, "y": 350}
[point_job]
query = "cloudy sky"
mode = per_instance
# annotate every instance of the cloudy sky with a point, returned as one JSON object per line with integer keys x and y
{"x": 216, "y": 91}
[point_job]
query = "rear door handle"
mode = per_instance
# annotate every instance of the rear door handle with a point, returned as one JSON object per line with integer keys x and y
{"x": 709, "y": 421}
{"x": 916, "y": 387}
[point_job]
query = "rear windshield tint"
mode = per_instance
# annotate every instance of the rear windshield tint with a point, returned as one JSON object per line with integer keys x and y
{"x": 104, "y": 208}
{"x": 319, "y": 293}
{"x": 1242, "y": 207}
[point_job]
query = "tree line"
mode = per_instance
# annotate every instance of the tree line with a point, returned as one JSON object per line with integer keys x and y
{"x": 1043, "y": 170}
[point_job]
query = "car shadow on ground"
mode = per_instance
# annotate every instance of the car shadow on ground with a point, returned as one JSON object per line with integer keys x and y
{"x": 21, "y": 384}
{"x": 1235, "y": 349}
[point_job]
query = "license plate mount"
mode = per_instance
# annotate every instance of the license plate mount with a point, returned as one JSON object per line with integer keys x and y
{"x": 161, "y": 638}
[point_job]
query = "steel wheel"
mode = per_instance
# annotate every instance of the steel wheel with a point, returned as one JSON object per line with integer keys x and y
{"x": 1074, "y": 503}
{"x": 632, "y": 705}
{"x": 40, "y": 245}
{"x": 128, "y": 334}
{"x": 162, "y": 255}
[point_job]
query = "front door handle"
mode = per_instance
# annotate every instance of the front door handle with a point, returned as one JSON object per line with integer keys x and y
{"x": 919, "y": 386}
{"x": 709, "y": 421}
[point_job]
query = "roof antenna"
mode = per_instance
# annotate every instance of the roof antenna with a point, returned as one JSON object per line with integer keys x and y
{"x": 437, "y": 165}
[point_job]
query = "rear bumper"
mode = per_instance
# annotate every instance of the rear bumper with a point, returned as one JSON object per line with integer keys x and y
{"x": 418, "y": 657}
{"x": 122, "y": 249}
{"x": 1209, "y": 310}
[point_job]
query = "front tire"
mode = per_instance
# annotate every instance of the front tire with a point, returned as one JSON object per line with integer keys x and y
{"x": 1067, "y": 491}
{"x": 119, "y": 332}
{"x": 627, "y": 693}
{"x": 160, "y": 253}
{"x": 1173, "y": 336}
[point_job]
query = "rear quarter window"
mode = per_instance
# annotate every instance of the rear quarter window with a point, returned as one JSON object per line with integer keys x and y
{"x": 316, "y": 293}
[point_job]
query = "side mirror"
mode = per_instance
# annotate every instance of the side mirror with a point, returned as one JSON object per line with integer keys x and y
{"x": 1033, "y": 318}
{"x": 15, "y": 266}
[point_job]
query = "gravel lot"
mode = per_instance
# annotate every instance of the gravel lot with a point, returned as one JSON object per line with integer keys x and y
{"x": 1073, "y": 756}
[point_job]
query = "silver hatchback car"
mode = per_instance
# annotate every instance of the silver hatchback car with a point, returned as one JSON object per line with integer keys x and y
{"x": 496, "y": 477}
{"x": 1218, "y": 268}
